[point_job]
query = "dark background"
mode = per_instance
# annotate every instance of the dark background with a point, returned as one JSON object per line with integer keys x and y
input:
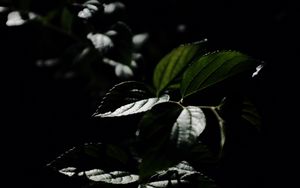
{"x": 43, "y": 117}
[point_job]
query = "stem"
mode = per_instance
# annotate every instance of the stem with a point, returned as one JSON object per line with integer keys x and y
{"x": 222, "y": 129}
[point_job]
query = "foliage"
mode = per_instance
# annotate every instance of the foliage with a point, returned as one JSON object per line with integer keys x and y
{"x": 175, "y": 128}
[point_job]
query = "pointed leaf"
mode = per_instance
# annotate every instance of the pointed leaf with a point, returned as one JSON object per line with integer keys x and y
{"x": 188, "y": 126}
{"x": 115, "y": 177}
{"x": 104, "y": 156}
{"x": 214, "y": 68}
{"x": 123, "y": 94}
{"x": 135, "y": 107}
{"x": 174, "y": 63}
{"x": 250, "y": 114}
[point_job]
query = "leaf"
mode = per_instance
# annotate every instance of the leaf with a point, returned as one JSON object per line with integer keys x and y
{"x": 214, "y": 68}
{"x": 181, "y": 175}
{"x": 188, "y": 126}
{"x": 114, "y": 177}
{"x": 121, "y": 36}
{"x": 173, "y": 64}
{"x": 66, "y": 20}
{"x": 250, "y": 114}
{"x": 123, "y": 94}
{"x": 104, "y": 156}
{"x": 135, "y": 107}
{"x": 166, "y": 133}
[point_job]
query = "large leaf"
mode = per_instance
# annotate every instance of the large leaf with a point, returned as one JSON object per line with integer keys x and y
{"x": 135, "y": 107}
{"x": 181, "y": 175}
{"x": 122, "y": 94}
{"x": 214, "y": 68}
{"x": 174, "y": 63}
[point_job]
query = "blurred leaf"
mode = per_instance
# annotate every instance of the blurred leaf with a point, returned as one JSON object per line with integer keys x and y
{"x": 214, "y": 68}
{"x": 66, "y": 20}
{"x": 16, "y": 18}
{"x": 173, "y": 64}
{"x": 135, "y": 107}
{"x": 123, "y": 94}
{"x": 121, "y": 36}
{"x": 101, "y": 42}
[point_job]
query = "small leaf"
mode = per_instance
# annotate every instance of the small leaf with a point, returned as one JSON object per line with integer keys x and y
{"x": 214, "y": 68}
{"x": 174, "y": 63}
{"x": 188, "y": 126}
{"x": 135, "y": 107}
{"x": 123, "y": 94}
{"x": 69, "y": 171}
{"x": 115, "y": 177}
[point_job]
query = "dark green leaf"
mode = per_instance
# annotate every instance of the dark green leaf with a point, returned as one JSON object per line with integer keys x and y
{"x": 66, "y": 20}
{"x": 173, "y": 64}
{"x": 121, "y": 36}
{"x": 250, "y": 114}
{"x": 214, "y": 68}
{"x": 123, "y": 94}
{"x": 135, "y": 107}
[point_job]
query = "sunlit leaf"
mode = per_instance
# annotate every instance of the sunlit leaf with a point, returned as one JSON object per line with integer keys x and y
{"x": 114, "y": 177}
{"x": 15, "y": 18}
{"x": 101, "y": 42}
{"x": 214, "y": 68}
{"x": 123, "y": 94}
{"x": 188, "y": 126}
{"x": 173, "y": 64}
{"x": 69, "y": 171}
{"x": 135, "y": 107}
{"x": 181, "y": 175}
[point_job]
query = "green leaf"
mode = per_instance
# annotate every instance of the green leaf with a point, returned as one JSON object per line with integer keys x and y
{"x": 214, "y": 68}
{"x": 181, "y": 175}
{"x": 188, "y": 126}
{"x": 173, "y": 64}
{"x": 135, "y": 107}
{"x": 114, "y": 177}
{"x": 123, "y": 94}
